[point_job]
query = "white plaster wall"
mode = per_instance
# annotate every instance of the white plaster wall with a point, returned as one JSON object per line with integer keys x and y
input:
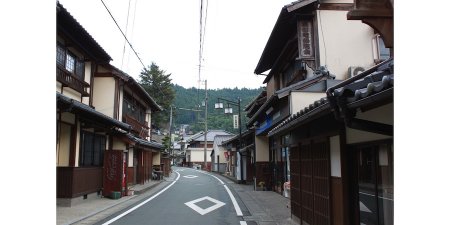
{"x": 58, "y": 87}
{"x": 262, "y": 148}
{"x": 299, "y": 100}
{"x": 119, "y": 145}
{"x": 335, "y": 156}
{"x": 130, "y": 157}
{"x": 156, "y": 158}
{"x": 103, "y": 96}
{"x": 87, "y": 79}
{"x": 77, "y": 144}
{"x": 383, "y": 114}
{"x": 70, "y": 93}
{"x": 63, "y": 148}
{"x": 148, "y": 118}
{"x": 120, "y": 103}
{"x": 198, "y": 156}
{"x": 346, "y": 43}
{"x": 87, "y": 72}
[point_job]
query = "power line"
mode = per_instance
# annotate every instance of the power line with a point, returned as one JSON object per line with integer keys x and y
{"x": 126, "y": 31}
{"x": 162, "y": 93}
{"x": 123, "y": 34}
{"x": 132, "y": 31}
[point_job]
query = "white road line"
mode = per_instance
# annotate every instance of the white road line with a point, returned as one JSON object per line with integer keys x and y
{"x": 236, "y": 206}
{"x": 233, "y": 200}
{"x": 243, "y": 223}
{"x": 144, "y": 202}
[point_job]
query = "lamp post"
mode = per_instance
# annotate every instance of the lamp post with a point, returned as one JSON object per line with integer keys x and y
{"x": 229, "y": 110}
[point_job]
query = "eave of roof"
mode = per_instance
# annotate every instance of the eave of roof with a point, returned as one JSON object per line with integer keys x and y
{"x": 74, "y": 105}
{"x": 236, "y": 137}
{"x": 280, "y": 34}
{"x": 149, "y": 144}
{"x": 139, "y": 88}
{"x": 313, "y": 111}
{"x": 262, "y": 108}
{"x": 70, "y": 26}
{"x": 378, "y": 87}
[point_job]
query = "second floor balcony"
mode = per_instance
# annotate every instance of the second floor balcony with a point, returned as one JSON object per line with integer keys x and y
{"x": 68, "y": 79}
{"x": 138, "y": 127}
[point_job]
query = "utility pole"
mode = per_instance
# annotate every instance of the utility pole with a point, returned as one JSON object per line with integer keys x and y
{"x": 170, "y": 132}
{"x": 219, "y": 105}
{"x": 206, "y": 122}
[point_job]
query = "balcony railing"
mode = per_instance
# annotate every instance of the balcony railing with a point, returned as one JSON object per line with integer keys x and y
{"x": 140, "y": 128}
{"x": 69, "y": 80}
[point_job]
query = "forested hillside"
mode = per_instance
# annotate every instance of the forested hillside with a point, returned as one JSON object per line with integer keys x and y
{"x": 191, "y": 98}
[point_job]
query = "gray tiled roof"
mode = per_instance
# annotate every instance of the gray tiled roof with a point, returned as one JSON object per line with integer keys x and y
{"x": 151, "y": 144}
{"x": 314, "y": 108}
{"x": 210, "y": 135}
{"x": 379, "y": 82}
{"x": 78, "y": 107}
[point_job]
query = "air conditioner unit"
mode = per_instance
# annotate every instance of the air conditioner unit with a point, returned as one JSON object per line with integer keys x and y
{"x": 355, "y": 70}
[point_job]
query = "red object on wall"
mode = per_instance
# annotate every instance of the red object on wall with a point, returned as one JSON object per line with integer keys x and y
{"x": 112, "y": 172}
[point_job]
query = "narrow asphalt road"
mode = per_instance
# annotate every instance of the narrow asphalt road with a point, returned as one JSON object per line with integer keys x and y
{"x": 194, "y": 197}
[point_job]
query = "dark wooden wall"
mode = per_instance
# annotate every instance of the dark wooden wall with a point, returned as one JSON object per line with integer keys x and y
{"x": 77, "y": 181}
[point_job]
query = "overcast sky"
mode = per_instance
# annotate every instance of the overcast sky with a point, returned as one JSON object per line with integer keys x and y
{"x": 168, "y": 33}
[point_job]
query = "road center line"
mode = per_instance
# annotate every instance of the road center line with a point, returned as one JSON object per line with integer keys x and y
{"x": 142, "y": 203}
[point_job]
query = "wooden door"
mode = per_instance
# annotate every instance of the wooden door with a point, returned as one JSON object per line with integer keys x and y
{"x": 314, "y": 178}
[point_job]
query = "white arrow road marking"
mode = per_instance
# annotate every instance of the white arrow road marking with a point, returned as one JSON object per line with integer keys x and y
{"x": 201, "y": 211}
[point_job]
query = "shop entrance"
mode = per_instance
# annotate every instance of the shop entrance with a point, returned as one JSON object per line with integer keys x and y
{"x": 373, "y": 191}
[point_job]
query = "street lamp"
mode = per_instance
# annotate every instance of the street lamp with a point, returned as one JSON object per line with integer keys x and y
{"x": 229, "y": 110}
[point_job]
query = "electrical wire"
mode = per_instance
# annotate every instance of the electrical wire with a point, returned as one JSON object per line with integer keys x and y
{"x": 132, "y": 31}
{"x": 323, "y": 37}
{"x": 131, "y": 46}
{"x": 126, "y": 31}
{"x": 162, "y": 93}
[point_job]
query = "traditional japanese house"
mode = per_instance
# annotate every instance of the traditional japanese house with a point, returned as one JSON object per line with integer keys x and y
{"x": 244, "y": 156}
{"x": 341, "y": 145}
{"x": 312, "y": 47}
{"x": 119, "y": 96}
{"x": 195, "y": 149}
{"x": 103, "y": 115}
{"x": 219, "y": 154}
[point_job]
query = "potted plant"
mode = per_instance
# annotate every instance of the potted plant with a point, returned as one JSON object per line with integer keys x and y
{"x": 129, "y": 191}
{"x": 262, "y": 185}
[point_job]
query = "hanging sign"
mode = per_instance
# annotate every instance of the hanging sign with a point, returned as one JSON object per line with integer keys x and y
{"x": 235, "y": 121}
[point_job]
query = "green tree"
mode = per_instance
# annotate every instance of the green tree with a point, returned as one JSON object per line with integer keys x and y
{"x": 158, "y": 85}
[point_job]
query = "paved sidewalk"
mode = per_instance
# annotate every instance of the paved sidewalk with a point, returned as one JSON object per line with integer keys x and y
{"x": 95, "y": 209}
{"x": 265, "y": 207}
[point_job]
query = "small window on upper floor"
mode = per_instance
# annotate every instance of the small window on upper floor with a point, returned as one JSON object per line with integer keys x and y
{"x": 67, "y": 60}
{"x": 70, "y": 63}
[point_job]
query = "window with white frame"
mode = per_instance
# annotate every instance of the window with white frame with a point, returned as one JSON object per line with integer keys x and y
{"x": 67, "y": 60}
